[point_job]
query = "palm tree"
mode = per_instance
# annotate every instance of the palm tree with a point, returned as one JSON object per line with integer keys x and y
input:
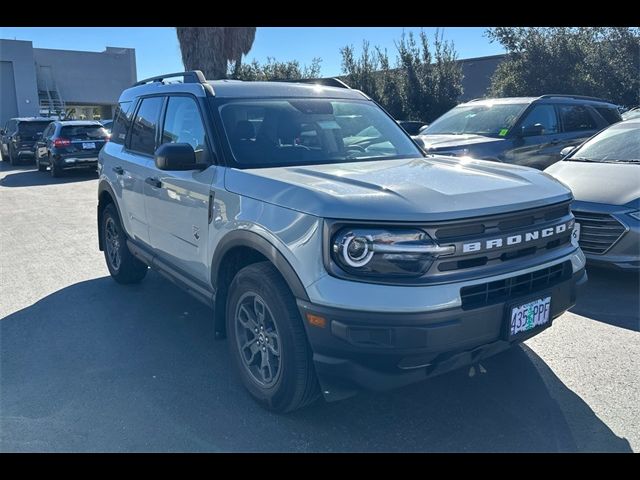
{"x": 210, "y": 49}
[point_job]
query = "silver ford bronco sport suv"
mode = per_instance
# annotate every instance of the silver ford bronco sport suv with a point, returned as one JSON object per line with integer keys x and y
{"x": 335, "y": 254}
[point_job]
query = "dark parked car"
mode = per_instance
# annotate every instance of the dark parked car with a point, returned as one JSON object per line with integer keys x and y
{"x": 604, "y": 175}
{"x": 412, "y": 127}
{"x": 18, "y": 137}
{"x": 70, "y": 145}
{"x": 530, "y": 131}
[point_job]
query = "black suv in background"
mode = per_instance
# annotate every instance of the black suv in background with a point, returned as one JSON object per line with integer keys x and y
{"x": 67, "y": 145}
{"x": 18, "y": 137}
{"x": 530, "y": 131}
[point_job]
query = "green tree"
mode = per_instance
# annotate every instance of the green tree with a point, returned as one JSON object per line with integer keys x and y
{"x": 211, "y": 49}
{"x": 273, "y": 69}
{"x": 421, "y": 86}
{"x": 597, "y": 61}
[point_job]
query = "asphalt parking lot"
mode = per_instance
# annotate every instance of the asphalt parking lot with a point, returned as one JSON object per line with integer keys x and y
{"x": 90, "y": 365}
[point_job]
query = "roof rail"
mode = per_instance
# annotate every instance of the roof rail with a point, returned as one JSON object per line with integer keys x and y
{"x": 192, "y": 76}
{"x": 577, "y": 97}
{"x": 327, "y": 82}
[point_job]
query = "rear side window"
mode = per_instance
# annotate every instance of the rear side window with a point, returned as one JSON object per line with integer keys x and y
{"x": 83, "y": 132}
{"x": 143, "y": 130}
{"x": 611, "y": 115}
{"x": 576, "y": 118}
{"x": 122, "y": 122}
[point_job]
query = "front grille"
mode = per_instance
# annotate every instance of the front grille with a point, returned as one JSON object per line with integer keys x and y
{"x": 598, "y": 231}
{"x": 500, "y": 290}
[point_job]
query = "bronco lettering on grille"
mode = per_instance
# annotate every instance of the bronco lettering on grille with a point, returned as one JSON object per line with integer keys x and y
{"x": 515, "y": 239}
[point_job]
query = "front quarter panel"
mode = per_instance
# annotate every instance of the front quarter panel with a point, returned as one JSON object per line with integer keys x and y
{"x": 296, "y": 235}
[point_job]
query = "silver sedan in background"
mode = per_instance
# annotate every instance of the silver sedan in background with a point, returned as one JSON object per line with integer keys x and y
{"x": 604, "y": 175}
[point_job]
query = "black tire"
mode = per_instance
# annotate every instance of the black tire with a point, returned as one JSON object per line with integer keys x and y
{"x": 296, "y": 385}
{"x": 13, "y": 160}
{"x": 41, "y": 168}
{"x": 56, "y": 171}
{"x": 128, "y": 269}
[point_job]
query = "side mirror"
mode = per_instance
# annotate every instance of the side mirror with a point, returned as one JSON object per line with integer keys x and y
{"x": 420, "y": 141}
{"x": 566, "y": 151}
{"x": 2, "y": 132}
{"x": 532, "y": 130}
{"x": 176, "y": 156}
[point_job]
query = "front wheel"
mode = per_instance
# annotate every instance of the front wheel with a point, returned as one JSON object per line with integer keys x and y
{"x": 122, "y": 265}
{"x": 268, "y": 341}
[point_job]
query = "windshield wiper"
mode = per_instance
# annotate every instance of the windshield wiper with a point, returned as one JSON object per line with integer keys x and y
{"x": 583, "y": 159}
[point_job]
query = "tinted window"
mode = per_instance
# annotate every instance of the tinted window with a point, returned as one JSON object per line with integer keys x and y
{"x": 122, "y": 122}
{"x": 83, "y": 132}
{"x": 305, "y": 131}
{"x": 183, "y": 124}
{"x": 618, "y": 143}
{"x": 491, "y": 119}
{"x": 31, "y": 129}
{"x": 611, "y": 115}
{"x": 49, "y": 130}
{"x": 143, "y": 130}
{"x": 576, "y": 118}
{"x": 11, "y": 126}
{"x": 544, "y": 116}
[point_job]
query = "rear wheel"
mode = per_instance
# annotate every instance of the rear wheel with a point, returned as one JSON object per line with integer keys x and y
{"x": 268, "y": 341}
{"x": 41, "y": 168}
{"x": 56, "y": 171}
{"x": 13, "y": 159}
{"x": 122, "y": 265}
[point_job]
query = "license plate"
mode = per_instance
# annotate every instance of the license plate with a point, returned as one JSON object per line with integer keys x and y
{"x": 575, "y": 234}
{"x": 88, "y": 145}
{"x": 528, "y": 316}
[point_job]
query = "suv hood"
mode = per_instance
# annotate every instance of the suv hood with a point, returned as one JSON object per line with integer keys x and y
{"x": 421, "y": 189}
{"x": 610, "y": 183}
{"x": 450, "y": 141}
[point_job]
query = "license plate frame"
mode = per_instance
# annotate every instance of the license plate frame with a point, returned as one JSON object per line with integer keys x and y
{"x": 88, "y": 145}
{"x": 545, "y": 297}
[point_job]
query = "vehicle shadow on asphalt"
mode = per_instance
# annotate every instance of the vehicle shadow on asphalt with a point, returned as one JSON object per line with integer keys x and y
{"x": 29, "y": 176}
{"x": 99, "y": 366}
{"x": 620, "y": 306}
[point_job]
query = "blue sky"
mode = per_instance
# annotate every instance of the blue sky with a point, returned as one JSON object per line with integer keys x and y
{"x": 157, "y": 48}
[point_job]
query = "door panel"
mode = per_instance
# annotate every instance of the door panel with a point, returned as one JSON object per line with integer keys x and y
{"x": 178, "y": 201}
{"x": 538, "y": 151}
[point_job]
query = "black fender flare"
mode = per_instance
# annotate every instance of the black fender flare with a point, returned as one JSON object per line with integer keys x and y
{"x": 104, "y": 186}
{"x": 247, "y": 238}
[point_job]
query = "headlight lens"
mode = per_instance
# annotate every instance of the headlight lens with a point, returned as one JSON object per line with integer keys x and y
{"x": 635, "y": 214}
{"x": 385, "y": 252}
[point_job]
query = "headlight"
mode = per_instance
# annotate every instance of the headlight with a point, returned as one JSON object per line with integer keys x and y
{"x": 635, "y": 214}
{"x": 385, "y": 252}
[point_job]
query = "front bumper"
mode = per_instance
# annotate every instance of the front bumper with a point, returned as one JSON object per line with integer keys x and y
{"x": 383, "y": 350}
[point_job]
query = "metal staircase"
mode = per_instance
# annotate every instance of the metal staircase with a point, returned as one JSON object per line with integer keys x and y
{"x": 51, "y": 102}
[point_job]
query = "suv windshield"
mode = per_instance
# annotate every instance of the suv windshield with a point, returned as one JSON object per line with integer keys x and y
{"x": 84, "y": 132}
{"x": 274, "y": 132}
{"x": 29, "y": 129}
{"x": 618, "y": 143}
{"x": 493, "y": 120}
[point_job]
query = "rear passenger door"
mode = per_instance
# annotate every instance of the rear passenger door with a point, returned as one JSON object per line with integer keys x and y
{"x": 133, "y": 165}
{"x": 178, "y": 201}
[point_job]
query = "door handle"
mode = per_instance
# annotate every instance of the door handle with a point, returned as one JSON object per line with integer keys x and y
{"x": 118, "y": 170}
{"x": 555, "y": 141}
{"x": 153, "y": 181}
